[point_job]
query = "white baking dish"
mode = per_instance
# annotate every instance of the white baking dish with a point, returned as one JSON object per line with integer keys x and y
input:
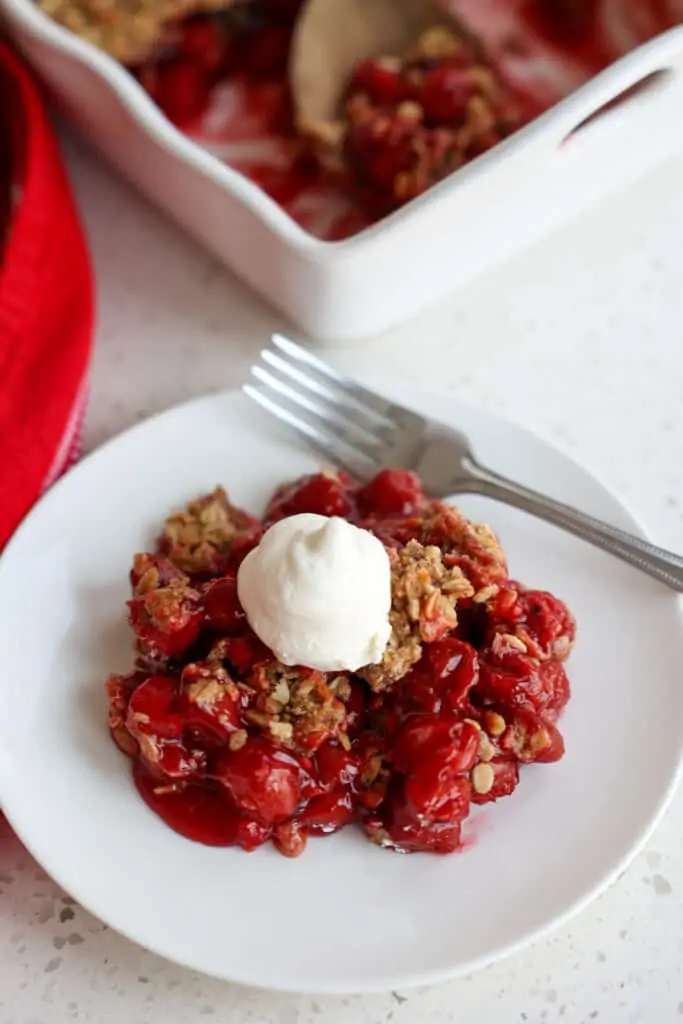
{"x": 339, "y": 290}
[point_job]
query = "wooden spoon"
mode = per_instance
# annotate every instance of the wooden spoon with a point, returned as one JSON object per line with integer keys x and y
{"x": 332, "y": 35}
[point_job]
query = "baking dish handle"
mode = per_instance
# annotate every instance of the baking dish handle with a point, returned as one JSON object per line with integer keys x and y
{"x": 637, "y": 81}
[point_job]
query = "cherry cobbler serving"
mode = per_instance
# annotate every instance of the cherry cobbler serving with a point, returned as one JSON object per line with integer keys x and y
{"x": 234, "y": 744}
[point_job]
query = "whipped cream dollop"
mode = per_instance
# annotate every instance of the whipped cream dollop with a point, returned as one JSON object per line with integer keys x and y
{"x": 317, "y": 591}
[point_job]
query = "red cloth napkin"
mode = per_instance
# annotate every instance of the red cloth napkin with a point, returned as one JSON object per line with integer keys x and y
{"x": 46, "y": 301}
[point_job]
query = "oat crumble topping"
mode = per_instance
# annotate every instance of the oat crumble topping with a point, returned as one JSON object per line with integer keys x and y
{"x": 296, "y": 706}
{"x": 197, "y": 538}
{"x": 128, "y": 30}
{"x": 425, "y": 593}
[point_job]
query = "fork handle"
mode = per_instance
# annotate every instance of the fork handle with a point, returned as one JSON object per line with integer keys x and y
{"x": 663, "y": 565}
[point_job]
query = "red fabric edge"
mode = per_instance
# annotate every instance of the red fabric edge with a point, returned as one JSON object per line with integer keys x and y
{"x": 46, "y": 306}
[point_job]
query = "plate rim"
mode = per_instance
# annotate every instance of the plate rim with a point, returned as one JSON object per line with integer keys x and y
{"x": 406, "y": 980}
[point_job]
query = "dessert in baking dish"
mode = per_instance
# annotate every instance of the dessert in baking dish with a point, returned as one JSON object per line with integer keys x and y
{"x": 218, "y": 69}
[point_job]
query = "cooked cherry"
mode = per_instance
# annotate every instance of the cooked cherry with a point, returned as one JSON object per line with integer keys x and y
{"x": 241, "y": 546}
{"x": 152, "y": 708}
{"x": 328, "y": 812}
{"x": 172, "y": 759}
{"x": 445, "y": 94}
{"x": 417, "y": 691}
{"x": 434, "y": 792}
{"x": 222, "y": 609}
{"x": 399, "y": 829}
{"x": 424, "y": 736}
{"x": 394, "y": 531}
{"x": 516, "y": 680}
{"x": 244, "y": 653}
{"x": 169, "y": 637}
{"x": 543, "y": 622}
{"x": 385, "y": 717}
{"x": 381, "y": 79}
{"x": 263, "y": 782}
{"x": 392, "y": 492}
{"x": 531, "y": 739}
{"x": 154, "y": 720}
{"x": 322, "y": 494}
{"x": 335, "y": 767}
{"x": 454, "y": 663}
{"x": 555, "y": 683}
{"x": 442, "y": 679}
{"x": 249, "y": 833}
{"x": 377, "y": 155}
{"x": 201, "y": 813}
{"x": 548, "y": 622}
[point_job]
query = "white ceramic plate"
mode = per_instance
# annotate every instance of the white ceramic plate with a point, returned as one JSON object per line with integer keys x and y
{"x": 347, "y": 916}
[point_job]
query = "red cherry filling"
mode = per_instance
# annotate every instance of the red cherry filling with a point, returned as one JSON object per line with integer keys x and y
{"x": 152, "y": 709}
{"x": 445, "y": 94}
{"x": 398, "y": 828}
{"x": 435, "y": 792}
{"x": 322, "y": 494}
{"x": 241, "y": 546}
{"x": 505, "y": 779}
{"x": 200, "y": 813}
{"x": 335, "y": 767}
{"x": 531, "y": 739}
{"x": 209, "y": 703}
{"x": 442, "y": 679}
{"x": 263, "y": 782}
{"x": 155, "y": 721}
{"x": 423, "y": 737}
{"x": 243, "y": 654}
{"x": 166, "y": 618}
{"x": 231, "y": 747}
{"x": 381, "y": 79}
{"x": 516, "y": 680}
{"x": 392, "y": 492}
{"x": 328, "y": 812}
{"x": 222, "y": 609}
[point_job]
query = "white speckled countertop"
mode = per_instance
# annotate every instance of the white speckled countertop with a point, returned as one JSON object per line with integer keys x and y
{"x": 579, "y": 339}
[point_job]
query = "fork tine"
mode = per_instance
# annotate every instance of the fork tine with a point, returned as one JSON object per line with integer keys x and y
{"x": 320, "y": 440}
{"x": 368, "y": 401}
{"x": 318, "y": 387}
{"x": 343, "y": 428}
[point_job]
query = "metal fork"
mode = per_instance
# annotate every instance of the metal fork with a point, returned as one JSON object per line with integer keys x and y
{"x": 359, "y": 431}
